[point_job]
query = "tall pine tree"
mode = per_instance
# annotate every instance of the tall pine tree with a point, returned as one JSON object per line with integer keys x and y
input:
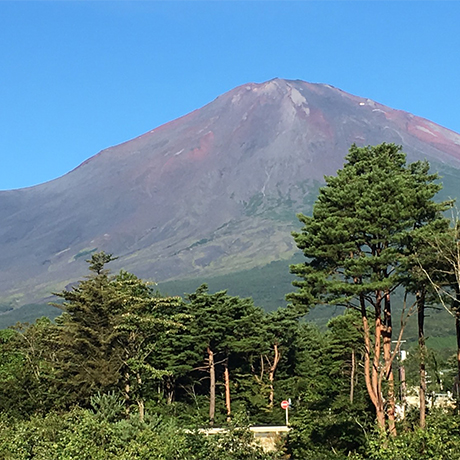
{"x": 355, "y": 243}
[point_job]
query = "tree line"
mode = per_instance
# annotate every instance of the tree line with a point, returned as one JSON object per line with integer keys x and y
{"x": 122, "y": 351}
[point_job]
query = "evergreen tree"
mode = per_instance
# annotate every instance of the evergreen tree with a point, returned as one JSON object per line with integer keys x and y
{"x": 281, "y": 329}
{"x": 422, "y": 267}
{"x": 221, "y": 327}
{"x": 107, "y": 334}
{"x": 144, "y": 320}
{"x": 346, "y": 350}
{"x": 442, "y": 271}
{"x": 89, "y": 358}
{"x": 355, "y": 244}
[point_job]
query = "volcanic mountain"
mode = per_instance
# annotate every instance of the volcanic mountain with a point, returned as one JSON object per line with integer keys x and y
{"x": 210, "y": 193}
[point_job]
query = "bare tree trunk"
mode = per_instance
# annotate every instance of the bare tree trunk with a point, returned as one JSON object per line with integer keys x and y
{"x": 169, "y": 390}
{"x": 420, "y": 297}
{"x": 271, "y": 375}
{"x": 371, "y": 376}
{"x": 367, "y": 354}
{"x": 126, "y": 392}
{"x": 457, "y": 378}
{"x": 402, "y": 379}
{"x": 227, "y": 389}
{"x": 387, "y": 335}
{"x": 140, "y": 399}
{"x": 212, "y": 386}
{"x": 352, "y": 376}
{"x": 379, "y": 406}
{"x": 141, "y": 406}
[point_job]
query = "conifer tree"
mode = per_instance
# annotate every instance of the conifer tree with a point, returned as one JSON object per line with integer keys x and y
{"x": 222, "y": 325}
{"x": 144, "y": 319}
{"x": 346, "y": 349}
{"x": 108, "y": 333}
{"x": 280, "y": 328}
{"x": 355, "y": 243}
{"x": 442, "y": 270}
{"x": 89, "y": 358}
{"x": 423, "y": 268}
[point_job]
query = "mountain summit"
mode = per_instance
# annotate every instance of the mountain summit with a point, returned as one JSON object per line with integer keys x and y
{"x": 209, "y": 193}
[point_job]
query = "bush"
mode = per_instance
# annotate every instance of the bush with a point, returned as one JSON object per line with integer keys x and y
{"x": 85, "y": 435}
{"x": 440, "y": 440}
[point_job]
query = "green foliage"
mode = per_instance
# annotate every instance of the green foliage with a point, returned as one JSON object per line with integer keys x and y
{"x": 108, "y": 406}
{"x": 439, "y": 441}
{"x": 224, "y": 325}
{"x": 360, "y": 224}
{"x": 326, "y": 435}
{"x": 359, "y": 244}
{"x": 343, "y": 363}
{"x": 82, "y": 435}
{"x": 89, "y": 359}
{"x": 10, "y": 358}
{"x": 107, "y": 335}
{"x": 28, "y": 372}
{"x": 99, "y": 260}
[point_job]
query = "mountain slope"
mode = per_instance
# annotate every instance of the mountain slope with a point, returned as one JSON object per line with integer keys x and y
{"x": 209, "y": 193}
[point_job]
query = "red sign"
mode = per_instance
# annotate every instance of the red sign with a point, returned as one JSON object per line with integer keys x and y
{"x": 284, "y": 404}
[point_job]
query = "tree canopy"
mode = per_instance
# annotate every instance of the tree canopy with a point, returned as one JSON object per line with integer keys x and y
{"x": 356, "y": 244}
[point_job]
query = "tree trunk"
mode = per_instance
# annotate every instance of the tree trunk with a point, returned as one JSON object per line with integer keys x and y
{"x": 169, "y": 390}
{"x": 402, "y": 379}
{"x": 126, "y": 392}
{"x": 212, "y": 386}
{"x": 271, "y": 375}
{"x": 457, "y": 378}
{"x": 140, "y": 399}
{"x": 371, "y": 377}
{"x": 367, "y": 354}
{"x": 420, "y": 297}
{"x": 141, "y": 406}
{"x": 352, "y": 376}
{"x": 227, "y": 389}
{"x": 456, "y": 310}
{"x": 387, "y": 335}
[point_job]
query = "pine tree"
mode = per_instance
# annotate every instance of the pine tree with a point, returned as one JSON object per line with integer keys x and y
{"x": 355, "y": 243}
{"x": 280, "y": 327}
{"x": 222, "y": 327}
{"x": 346, "y": 349}
{"x": 423, "y": 268}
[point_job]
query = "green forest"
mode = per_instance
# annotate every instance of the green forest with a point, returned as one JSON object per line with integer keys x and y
{"x": 129, "y": 372}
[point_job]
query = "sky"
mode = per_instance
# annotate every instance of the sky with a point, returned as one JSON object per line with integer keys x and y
{"x": 78, "y": 77}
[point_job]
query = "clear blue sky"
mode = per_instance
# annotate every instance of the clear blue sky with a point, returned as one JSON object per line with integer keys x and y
{"x": 77, "y": 77}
